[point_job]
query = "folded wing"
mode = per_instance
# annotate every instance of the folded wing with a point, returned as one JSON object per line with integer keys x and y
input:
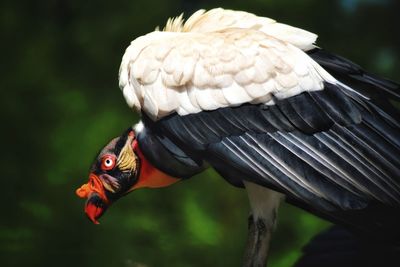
{"x": 334, "y": 151}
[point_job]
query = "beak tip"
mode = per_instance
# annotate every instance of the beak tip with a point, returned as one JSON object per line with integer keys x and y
{"x": 92, "y": 218}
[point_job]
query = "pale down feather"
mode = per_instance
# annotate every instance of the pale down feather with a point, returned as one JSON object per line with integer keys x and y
{"x": 217, "y": 59}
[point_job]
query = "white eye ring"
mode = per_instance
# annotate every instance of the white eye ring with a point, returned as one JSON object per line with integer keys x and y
{"x": 108, "y": 162}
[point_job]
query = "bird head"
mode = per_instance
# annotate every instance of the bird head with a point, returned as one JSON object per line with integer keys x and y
{"x": 119, "y": 168}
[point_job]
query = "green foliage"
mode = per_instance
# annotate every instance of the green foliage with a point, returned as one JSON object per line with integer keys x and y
{"x": 61, "y": 104}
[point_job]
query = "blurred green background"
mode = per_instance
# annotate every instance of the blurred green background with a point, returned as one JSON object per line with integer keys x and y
{"x": 61, "y": 103}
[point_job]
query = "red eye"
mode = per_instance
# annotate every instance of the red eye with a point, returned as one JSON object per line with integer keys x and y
{"x": 107, "y": 162}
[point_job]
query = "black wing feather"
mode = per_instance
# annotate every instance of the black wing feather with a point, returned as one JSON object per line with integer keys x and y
{"x": 382, "y": 91}
{"x": 354, "y": 76}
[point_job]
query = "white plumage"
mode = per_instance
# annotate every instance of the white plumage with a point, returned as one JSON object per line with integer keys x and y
{"x": 217, "y": 59}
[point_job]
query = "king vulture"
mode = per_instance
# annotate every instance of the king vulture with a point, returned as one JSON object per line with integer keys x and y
{"x": 267, "y": 109}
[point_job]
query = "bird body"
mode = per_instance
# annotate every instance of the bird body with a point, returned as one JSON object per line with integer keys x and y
{"x": 257, "y": 101}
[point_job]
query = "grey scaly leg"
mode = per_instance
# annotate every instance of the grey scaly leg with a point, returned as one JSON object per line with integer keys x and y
{"x": 264, "y": 205}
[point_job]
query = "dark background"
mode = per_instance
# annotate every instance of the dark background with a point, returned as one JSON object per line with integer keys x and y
{"x": 61, "y": 103}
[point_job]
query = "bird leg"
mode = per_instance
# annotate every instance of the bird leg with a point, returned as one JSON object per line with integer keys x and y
{"x": 264, "y": 204}
{"x": 257, "y": 243}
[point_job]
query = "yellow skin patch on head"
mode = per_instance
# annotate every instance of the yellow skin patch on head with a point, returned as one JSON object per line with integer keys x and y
{"x": 126, "y": 161}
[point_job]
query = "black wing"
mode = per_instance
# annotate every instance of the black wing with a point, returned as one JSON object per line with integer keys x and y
{"x": 334, "y": 152}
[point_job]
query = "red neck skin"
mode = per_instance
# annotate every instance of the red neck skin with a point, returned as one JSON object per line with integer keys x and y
{"x": 149, "y": 175}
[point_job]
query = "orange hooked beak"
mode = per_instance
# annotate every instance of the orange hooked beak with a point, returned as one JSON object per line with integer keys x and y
{"x": 97, "y": 201}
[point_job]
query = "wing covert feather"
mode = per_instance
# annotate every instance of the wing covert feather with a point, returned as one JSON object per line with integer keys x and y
{"x": 246, "y": 65}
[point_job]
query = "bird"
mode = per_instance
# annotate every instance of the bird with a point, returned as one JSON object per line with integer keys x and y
{"x": 270, "y": 111}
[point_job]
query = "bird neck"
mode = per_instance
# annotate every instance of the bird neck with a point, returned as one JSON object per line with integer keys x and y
{"x": 165, "y": 154}
{"x": 149, "y": 175}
